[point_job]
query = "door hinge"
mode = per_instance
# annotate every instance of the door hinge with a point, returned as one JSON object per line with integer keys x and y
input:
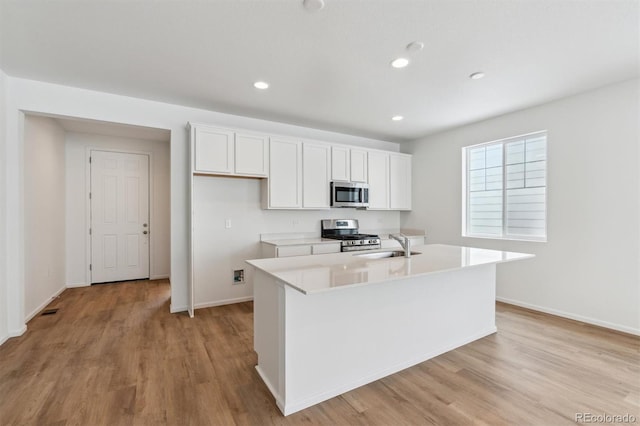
{"x": 90, "y": 267}
{"x": 89, "y": 160}
{"x": 89, "y": 195}
{"x": 89, "y": 231}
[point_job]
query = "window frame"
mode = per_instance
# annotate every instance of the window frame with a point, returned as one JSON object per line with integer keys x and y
{"x": 465, "y": 153}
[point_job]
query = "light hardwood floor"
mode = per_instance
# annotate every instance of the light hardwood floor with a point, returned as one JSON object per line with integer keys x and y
{"x": 114, "y": 355}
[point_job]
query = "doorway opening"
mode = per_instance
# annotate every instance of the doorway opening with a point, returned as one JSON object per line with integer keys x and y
{"x": 57, "y": 209}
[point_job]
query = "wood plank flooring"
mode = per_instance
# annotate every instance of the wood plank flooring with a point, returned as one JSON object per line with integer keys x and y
{"x": 114, "y": 355}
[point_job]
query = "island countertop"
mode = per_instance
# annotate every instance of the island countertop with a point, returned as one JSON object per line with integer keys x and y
{"x": 327, "y": 272}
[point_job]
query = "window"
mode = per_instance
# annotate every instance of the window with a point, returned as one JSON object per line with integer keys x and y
{"x": 505, "y": 188}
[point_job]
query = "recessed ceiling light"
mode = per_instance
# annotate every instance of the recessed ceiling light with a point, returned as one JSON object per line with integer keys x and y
{"x": 415, "y": 46}
{"x": 397, "y": 118}
{"x": 476, "y": 75}
{"x": 313, "y": 5}
{"x": 261, "y": 85}
{"x": 400, "y": 63}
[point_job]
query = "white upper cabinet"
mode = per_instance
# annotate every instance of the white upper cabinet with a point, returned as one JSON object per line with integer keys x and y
{"x": 348, "y": 165}
{"x": 378, "y": 166}
{"x": 299, "y": 173}
{"x": 222, "y": 151}
{"x": 284, "y": 187}
{"x": 316, "y": 175}
{"x": 213, "y": 150}
{"x": 251, "y": 154}
{"x": 358, "y": 165}
{"x": 399, "y": 181}
{"x": 340, "y": 163}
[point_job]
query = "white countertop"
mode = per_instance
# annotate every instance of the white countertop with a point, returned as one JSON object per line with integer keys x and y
{"x": 300, "y": 241}
{"x": 316, "y": 240}
{"x": 326, "y": 272}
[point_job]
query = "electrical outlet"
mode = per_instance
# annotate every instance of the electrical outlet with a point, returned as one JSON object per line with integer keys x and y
{"x": 227, "y": 223}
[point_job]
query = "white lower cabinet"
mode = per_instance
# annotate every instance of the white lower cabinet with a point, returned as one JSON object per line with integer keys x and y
{"x": 325, "y": 248}
{"x": 288, "y": 251}
{"x": 270, "y": 250}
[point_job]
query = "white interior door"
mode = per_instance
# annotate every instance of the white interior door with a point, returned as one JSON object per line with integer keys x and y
{"x": 119, "y": 216}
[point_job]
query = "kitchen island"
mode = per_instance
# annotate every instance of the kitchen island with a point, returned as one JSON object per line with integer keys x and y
{"x": 326, "y": 324}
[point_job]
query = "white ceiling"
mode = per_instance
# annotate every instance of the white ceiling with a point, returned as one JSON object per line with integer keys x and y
{"x": 328, "y": 69}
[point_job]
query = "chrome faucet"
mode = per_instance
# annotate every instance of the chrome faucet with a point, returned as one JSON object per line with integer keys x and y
{"x": 404, "y": 241}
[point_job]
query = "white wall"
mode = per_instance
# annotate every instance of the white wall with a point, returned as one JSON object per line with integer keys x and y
{"x": 45, "y": 98}
{"x": 218, "y": 250}
{"x": 76, "y": 186}
{"x": 4, "y": 326}
{"x": 44, "y": 207}
{"x": 588, "y": 269}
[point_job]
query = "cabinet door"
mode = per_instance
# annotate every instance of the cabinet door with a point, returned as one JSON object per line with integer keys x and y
{"x": 285, "y": 174}
{"x": 340, "y": 163}
{"x": 400, "y": 181}
{"x": 316, "y": 161}
{"x": 325, "y": 248}
{"x": 358, "y": 165}
{"x": 378, "y": 175}
{"x": 288, "y": 251}
{"x": 213, "y": 150}
{"x": 251, "y": 154}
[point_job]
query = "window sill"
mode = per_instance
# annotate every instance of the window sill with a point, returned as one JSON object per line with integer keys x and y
{"x": 520, "y": 239}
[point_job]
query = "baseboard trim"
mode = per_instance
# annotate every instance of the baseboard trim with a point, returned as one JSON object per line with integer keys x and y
{"x": 44, "y": 304}
{"x": 77, "y": 285}
{"x": 575, "y": 317}
{"x": 176, "y": 309}
{"x": 158, "y": 277}
{"x": 223, "y": 302}
{"x": 18, "y": 333}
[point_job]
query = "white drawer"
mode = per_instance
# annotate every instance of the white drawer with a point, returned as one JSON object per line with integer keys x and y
{"x": 288, "y": 251}
{"x": 325, "y": 248}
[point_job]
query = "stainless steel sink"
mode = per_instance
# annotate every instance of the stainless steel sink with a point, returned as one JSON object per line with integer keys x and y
{"x": 384, "y": 254}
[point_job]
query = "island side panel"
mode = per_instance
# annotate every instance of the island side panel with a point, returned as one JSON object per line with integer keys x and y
{"x": 268, "y": 337}
{"x": 339, "y": 340}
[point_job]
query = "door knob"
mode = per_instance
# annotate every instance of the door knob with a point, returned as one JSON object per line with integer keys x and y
{"x": 145, "y": 232}
{"x": 144, "y": 224}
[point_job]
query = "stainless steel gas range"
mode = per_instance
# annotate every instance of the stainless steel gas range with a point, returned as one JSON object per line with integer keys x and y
{"x": 346, "y": 230}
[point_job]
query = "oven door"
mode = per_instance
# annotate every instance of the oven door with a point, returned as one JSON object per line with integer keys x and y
{"x": 349, "y": 194}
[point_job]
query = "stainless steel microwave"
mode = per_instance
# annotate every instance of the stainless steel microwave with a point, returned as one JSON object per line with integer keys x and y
{"x": 349, "y": 194}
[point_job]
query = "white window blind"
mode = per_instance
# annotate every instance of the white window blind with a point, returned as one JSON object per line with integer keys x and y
{"x": 505, "y": 188}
